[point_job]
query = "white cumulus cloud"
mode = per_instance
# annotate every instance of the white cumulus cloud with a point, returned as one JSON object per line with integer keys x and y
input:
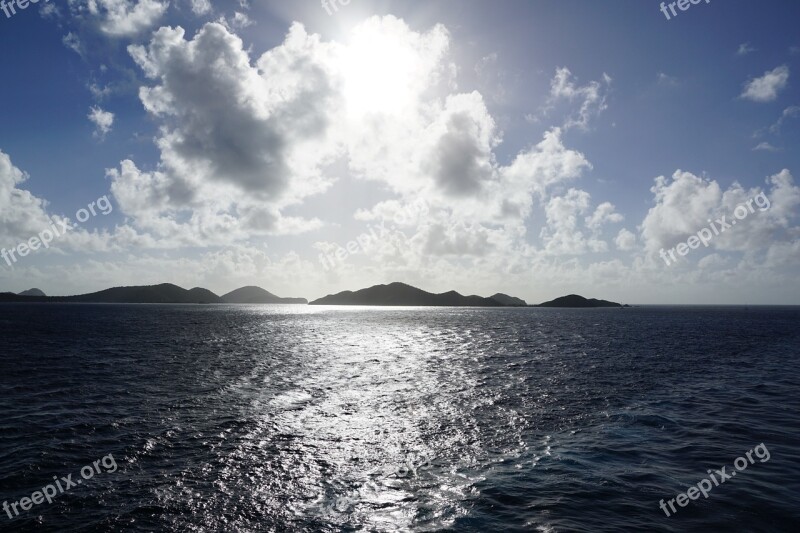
{"x": 103, "y": 121}
{"x": 767, "y": 87}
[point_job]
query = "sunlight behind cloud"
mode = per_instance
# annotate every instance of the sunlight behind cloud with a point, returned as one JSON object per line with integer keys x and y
{"x": 378, "y": 70}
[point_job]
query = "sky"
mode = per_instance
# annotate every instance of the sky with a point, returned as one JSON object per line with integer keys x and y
{"x": 531, "y": 147}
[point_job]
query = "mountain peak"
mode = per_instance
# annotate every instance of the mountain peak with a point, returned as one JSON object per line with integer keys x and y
{"x": 505, "y": 299}
{"x": 33, "y": 292}
{"x": 165, "y": 293}
{"x": 576, "y": 300}
{"x": 257, "y": 295}
{"x": 402, "y": 294}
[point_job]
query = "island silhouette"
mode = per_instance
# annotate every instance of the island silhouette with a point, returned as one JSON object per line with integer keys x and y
{"x": 166, "y": 293}
{"x": 402, "y": 294}
{"x": 391, "y": 295}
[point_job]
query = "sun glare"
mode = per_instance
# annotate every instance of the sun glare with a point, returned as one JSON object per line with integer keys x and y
{"x": 378, "y": 73}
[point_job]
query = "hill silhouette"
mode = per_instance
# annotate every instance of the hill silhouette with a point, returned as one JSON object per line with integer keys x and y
{"x": 32, "y": 292}
{"x": 257, "y": 295}
{"x": 509, "y": 300}
{"x": 400, "y": 294}
{"x": 576, "y": 301}
{"x": 166, "y": 293}
{"x": 393, "y": 294}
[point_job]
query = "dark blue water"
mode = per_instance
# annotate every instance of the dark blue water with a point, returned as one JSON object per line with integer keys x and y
{"x": 221, "y": 418}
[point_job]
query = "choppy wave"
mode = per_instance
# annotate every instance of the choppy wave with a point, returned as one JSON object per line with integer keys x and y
{"x": 272, "y": 418}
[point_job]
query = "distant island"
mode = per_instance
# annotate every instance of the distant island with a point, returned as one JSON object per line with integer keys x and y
{"x": 400, "y": 294}
{"x": 165, "y": 293}
{"x": 575, "y": 301}
{"x": 257, "y": 295}
{"x": 391, "y": 295}
{"x": 32, "y": 292}
{"x": 509, "y": 301}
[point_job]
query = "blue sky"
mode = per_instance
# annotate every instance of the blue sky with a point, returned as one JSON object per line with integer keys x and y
{"x": 263, "y": 135}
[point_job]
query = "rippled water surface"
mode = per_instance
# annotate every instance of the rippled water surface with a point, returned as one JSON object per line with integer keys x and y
{"x": 295, "y": 418}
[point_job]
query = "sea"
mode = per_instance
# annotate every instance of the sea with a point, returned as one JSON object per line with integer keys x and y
{"x": 320, "y": 419}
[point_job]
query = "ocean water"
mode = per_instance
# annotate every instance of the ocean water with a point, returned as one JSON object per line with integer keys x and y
{"x": 295, "y": 418}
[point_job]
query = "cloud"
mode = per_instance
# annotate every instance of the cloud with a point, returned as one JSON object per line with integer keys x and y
{"x": 457, "y": 240}
{"x": 73, "y": 42}
{"x": 788, "y": 113}
{"x": 440, "y": 144}
{"x": 23, "y": 216}
{"x": 121, "y": 18}
{"x": 397, "y": 213}
{"x": 625, "y": 240}
{"x": 487, "y": 62}
{"x": 241, "y": 20}
{"x": 667, "y": 80}
{"x": 564, "y": 235}
{"x": 776, "y": 129}
{"x": 686, "y": 203}
{"x": 239, "y": 140}
{"x": 49, "y": 10}
{"x": 536, "y": 170}
{"x": 744, "y": 49}
{"x": 495, "y": 81}
{"x": 462, "y": 156}
{"x": 604, "y": 214}
{"x": 100, "y": 92}
{"x": 201, "y": 7}
{"x": 244, "y": 140}
{"x": 234, "y": 122}
{"x": 102, "y": 120}
{"x": 765, "y": 147}
{"x": 767, "y": 87}
{"x": 592, "y": 97}
{"x": 683, "y": 206}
